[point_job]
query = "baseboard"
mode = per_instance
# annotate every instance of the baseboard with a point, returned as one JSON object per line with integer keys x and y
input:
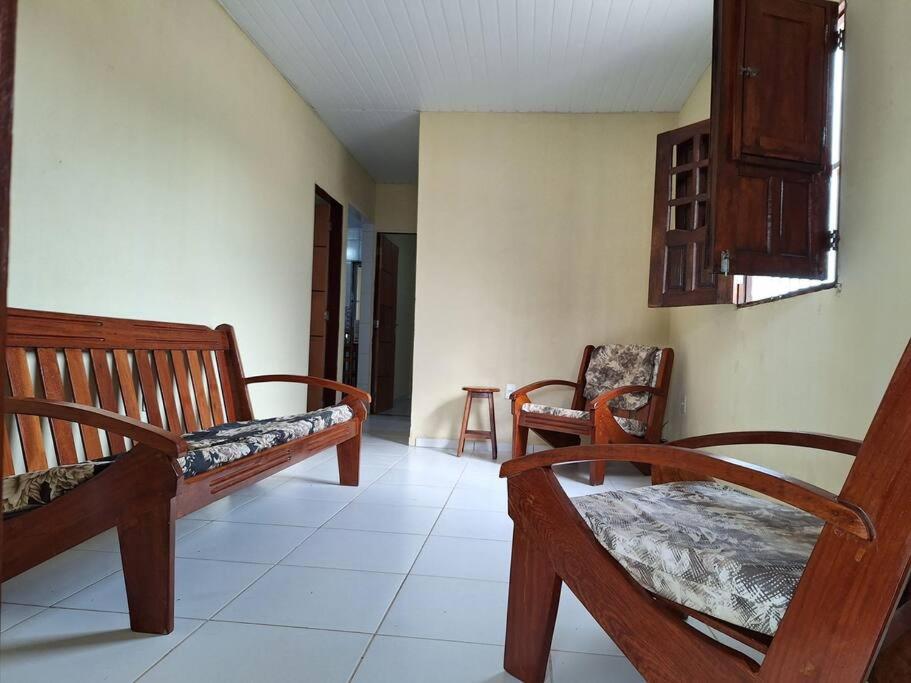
{"x": 472, "y": 446}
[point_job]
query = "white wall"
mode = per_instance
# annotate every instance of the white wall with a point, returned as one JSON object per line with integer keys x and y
{"x": 164, "y": 169}
{"x": 534, "y": 233}
{"x": 821, "y": 361}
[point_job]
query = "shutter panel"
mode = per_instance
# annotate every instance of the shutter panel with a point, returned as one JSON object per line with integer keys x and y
{"x": 771, "y": 104}
{"x": 677, "y": 273}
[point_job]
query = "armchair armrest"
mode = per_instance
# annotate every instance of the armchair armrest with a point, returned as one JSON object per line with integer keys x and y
{"x": 823, "y": 442}
{"x": 140, "y": 432}
{"x": 315, "y": 381}
{"x": 818, "y": 502}
{"x": 603, "y": 399}
{"x": 528, "y": 388}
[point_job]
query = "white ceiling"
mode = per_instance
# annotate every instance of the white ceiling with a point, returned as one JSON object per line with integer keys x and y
{"x": 367, "y": 66}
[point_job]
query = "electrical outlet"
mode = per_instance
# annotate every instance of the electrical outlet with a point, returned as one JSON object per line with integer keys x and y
{"x": 509, "y": 389}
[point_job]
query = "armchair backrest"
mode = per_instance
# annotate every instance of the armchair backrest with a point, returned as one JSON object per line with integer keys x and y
{"x": 618, "y": 365}
{"x": 851, "y": 587}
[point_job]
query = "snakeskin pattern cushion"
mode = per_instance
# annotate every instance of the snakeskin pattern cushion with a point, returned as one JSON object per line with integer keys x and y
{"x": 634, "y": 427}
{"x": 232, "y": 441}
{"x": 620, "y": 365}
{"x": 30, "y": 490}
{"x": 707, "y": 546}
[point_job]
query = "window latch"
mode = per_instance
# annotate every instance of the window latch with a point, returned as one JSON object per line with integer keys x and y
{"x": 840, "y": 39}
{"x": 749, "y": 72}
{"x": 725, "y": 262}
{"x": 832, "y": 240}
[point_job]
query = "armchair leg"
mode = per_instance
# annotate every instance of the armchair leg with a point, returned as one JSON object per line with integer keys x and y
{"x": 534, "y": 596}
{"x": 349, "y": 461}
{"x": 596, "y": 473}
{"x": 147, "y": 554}
{"x": 519, "y": 440}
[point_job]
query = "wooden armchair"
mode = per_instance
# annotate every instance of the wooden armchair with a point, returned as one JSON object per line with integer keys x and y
{"x": 844, "y": 616}
{"x": 619, "y": 397}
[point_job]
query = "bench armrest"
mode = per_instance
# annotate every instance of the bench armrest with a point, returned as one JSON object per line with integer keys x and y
{"x": 315, "y": 381}
{"x": 140, "y": 432}
{"x": 809, "y": 498}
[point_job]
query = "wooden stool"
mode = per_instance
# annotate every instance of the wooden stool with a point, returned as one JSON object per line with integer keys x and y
{"x": 475, "y": 434}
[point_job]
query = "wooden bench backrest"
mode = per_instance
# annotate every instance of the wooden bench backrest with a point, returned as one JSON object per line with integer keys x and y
{"x": 180, "y": 377}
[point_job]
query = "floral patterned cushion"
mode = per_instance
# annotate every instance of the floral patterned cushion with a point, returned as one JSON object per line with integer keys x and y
{"x": 707, "y": 546}
{"x": 634, "y": 427}
{"x": 232, "y": 441}
{"x": 620, "y": 365}
{"x": 22, "y": 492}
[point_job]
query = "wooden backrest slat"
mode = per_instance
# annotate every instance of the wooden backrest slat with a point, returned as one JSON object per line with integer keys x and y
{"x": 227, "y": 390}
{"x": 61, "y": 430}
{"x": 218, "y": 412}
{"x": 104, "y": 382}
{"x": 199, "y": 389}
{"x": 183, "y": 391}
{"x": 30, "y": 434}
{"x": 166, "y": 382}
{"x": 128, "y": 393}
{"x": 149, "y": 387}
{"x": 91, "y": 441}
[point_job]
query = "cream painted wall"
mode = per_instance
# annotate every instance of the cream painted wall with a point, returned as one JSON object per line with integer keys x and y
{"x": 534, "y": 241}
{"x": 820, "y": 362}
{"x": 164, "y": 169}
{"x": 396, "y": 207}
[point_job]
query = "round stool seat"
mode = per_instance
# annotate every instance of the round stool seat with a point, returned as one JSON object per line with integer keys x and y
{"x": 481, "y": 390}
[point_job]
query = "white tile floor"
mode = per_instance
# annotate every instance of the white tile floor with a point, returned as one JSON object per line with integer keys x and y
{"x": 401, "y": 579}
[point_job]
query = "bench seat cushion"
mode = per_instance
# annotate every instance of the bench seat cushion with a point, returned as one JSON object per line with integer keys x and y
{"x": 232, "y": 441}
{"x": 634, "y": 427}
{"x": 707, "y": 546}
{"x": 208, "y": 449}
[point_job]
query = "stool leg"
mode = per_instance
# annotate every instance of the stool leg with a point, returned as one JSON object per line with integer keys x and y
{"x": 493, "y": 427}
{"x": 461, "y": 446}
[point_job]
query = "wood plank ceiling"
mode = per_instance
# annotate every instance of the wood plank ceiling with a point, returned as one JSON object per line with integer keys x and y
{"x": 368, "y": 66}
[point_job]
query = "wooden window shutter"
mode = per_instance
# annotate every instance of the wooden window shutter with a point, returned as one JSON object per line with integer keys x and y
{"x": 771, "y": 104}
{"x": 677, "y": 273}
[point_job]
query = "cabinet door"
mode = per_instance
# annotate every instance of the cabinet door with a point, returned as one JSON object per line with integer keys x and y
{"x": 785, "y": 80}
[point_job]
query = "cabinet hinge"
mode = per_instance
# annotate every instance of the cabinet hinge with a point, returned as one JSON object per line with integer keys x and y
{"x": 832, "y": 240}
{"x": 725, "y": 262}
{"x": 840, "y": 39}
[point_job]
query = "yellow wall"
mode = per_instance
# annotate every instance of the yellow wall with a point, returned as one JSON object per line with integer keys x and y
{"x": 396, "y": 207}
{"x": 820, "y": 362}
{"x": 533, "y": 241}
{"x": 164, "y": 169}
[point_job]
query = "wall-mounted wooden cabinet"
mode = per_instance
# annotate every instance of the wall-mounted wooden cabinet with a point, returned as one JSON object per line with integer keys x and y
{"x": 765, "y": 206}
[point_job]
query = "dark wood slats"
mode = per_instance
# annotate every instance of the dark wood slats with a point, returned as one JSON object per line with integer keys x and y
{"x": 128, "y": 393}
{"x": 199, "y": 390}
{"x": 225, "y": 376}
{"x": 149, "y": 387}
{"x": 104, "y": 381}
{"x": 183, "y": 391}
{"x": 61, "y": 431}
{"x": 91, "y": 441}
{"x": 166, "y": 381}
{"x": 29, "y": 426}
{"x": 218, "y": 413}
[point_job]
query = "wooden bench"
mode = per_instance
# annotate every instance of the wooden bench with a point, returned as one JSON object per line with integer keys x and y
{"x": 134, "y": 387}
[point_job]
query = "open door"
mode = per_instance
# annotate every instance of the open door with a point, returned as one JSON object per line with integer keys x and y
{"x": 384, "y": 322}
{"x": 324, "y": 296}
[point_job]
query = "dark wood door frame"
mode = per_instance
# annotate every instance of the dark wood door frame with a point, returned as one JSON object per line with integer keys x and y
{"x": 381, "y": 399}
{"x": 333, "y": 298}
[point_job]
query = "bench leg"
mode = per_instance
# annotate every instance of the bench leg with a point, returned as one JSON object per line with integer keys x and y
{"x": 596, "y": 473}
{"x": 349, "y": 461}
{"x": 147, "y": 553}
{"x": 534, "y": 596}
{"x": 519, "y": 439}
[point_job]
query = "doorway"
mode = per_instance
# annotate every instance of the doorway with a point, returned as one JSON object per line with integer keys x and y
{"x": 393, "y": 314}
{"x": 325, "y": 295}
